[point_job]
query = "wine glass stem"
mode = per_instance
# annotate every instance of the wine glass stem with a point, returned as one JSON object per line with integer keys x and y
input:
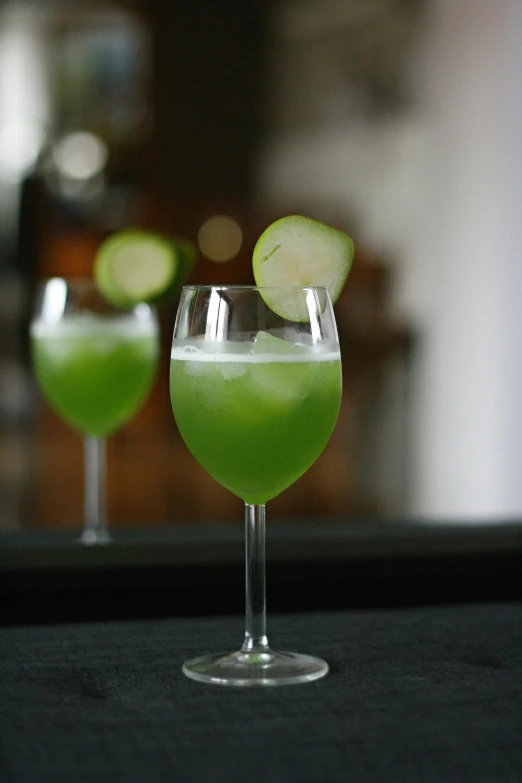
{"x": 95, "y": 509}
{"x": 255, "y": 631}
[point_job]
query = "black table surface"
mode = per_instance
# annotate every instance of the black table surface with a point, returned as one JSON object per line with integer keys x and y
{"x": 188, "y": 570}
{"x": 424, "y": 694}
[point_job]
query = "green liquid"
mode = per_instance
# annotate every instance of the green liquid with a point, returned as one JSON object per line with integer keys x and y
{"x": 95, "y": 373}
{"x": 255, "y": 426}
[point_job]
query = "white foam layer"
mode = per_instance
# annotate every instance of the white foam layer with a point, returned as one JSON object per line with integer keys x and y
{"x": 84, "y": 326}
{"x": 189, "y": 353}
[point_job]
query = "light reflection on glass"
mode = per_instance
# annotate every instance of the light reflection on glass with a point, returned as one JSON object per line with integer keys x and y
{"x": 314, "y": 310}
{"x": 54, "y": 300}
{"x": 217, "y": 318}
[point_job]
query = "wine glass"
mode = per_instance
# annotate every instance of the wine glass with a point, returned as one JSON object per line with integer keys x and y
{"x": 95, "y": 365}
{"x": 255, "y": 396}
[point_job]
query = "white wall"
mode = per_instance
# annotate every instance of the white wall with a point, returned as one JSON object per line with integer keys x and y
{"x": 439, "y": 192}
{"x": 24, "y": 91}
{"x": 372, "y": 173}
{"x": 469, "y": 425}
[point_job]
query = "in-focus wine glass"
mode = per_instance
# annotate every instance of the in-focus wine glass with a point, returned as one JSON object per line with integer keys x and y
{"x": 255, "y": 397}
{"x": 95, "y": 365}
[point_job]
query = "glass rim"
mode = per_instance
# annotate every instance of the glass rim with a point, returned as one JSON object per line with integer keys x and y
{"x": 76, "y": 281}
{"x": 236, "y": 287}
{"x": 77, "y": 286}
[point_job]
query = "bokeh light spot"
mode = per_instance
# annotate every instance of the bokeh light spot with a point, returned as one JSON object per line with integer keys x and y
{"x": 80, "y": 156}
{"x": 220, "y": 238}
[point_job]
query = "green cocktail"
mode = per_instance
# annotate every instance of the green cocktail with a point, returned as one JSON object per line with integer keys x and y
{"x": 95, "y": 364}
{"x": 95, "y": 371}
{"x": 256, "y": 419}
{"x": 255, "y": 384}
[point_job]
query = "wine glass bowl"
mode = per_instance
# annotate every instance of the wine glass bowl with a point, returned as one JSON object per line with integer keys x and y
{"x": 255, "y": 396}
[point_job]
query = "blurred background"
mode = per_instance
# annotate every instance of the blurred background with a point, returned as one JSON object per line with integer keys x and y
{"x": 398, "y": 121}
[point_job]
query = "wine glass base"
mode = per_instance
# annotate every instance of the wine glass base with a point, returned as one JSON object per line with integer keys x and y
{"x": 92, "y": 537}
{"x": 248, "y": 669}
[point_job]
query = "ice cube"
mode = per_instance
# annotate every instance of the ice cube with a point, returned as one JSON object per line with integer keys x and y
{"x": 196, "y": 367}
{"x": 266, "y": 343}
{"x": 230, "y": 370}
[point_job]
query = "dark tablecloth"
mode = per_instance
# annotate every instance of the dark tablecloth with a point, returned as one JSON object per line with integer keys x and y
{"x": 429, "y": 695}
